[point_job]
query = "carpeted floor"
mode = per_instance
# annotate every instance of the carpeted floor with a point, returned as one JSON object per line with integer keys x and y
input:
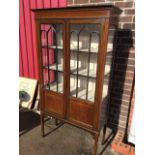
{"x": 65, "y": 140}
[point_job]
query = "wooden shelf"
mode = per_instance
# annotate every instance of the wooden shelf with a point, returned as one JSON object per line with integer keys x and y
{"x": 54, "y": 67}
{"x": 81, "y": 50}
{"x": 82, "y": 71}
{"x": 84, "y": 51}
{"x": 53, "y": 87}
{"x": 81, "y": 91}
{"x": 92, "y": 73}
{"x": 53, "y": 47}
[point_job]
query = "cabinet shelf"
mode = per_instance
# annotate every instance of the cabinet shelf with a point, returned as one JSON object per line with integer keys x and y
{"x": 72, "y": 49}
{"x": 81, "y": 72}
{"x": 82, "y": 94}
{"x": 82, "y": 51}
{"x": 54, "y": 86}
{"x": 55, "y": 67}
{"x": 58, "y": 87}
{"x": 53, "y": 47}
{"x": 81, "y": 91}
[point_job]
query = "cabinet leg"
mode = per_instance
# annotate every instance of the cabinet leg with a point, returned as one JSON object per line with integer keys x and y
{"x": 57, "y": 122}
{"x": 96, "y": 136}
{"x": 42, "y": 124}
{"x": 104, "y": 133}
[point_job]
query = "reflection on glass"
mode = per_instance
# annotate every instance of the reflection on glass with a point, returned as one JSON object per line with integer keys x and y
{"x": 108, "y": 64}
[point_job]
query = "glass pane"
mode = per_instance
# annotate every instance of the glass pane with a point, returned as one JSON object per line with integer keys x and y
{"x": 108, "y": 64}
{"x": 84, "y": 46}
{"x": 107, "y": 74}
{"x": 52, "y": 56}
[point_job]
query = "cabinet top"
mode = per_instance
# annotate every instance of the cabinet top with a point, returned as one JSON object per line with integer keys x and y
{"x": 86, "y": 8}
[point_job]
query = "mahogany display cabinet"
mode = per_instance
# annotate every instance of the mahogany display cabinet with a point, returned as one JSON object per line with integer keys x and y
{"x": 75, "y": 54}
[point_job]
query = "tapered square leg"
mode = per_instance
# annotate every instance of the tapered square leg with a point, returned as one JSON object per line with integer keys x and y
{"x": 104, "y": 133}
{"x": 57, "y": 122}
{"x": 96, "y": 136}
{"x": 42, "y": 124}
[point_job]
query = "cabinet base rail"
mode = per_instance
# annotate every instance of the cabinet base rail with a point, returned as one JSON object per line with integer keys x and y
{"x": 94, "y": 133}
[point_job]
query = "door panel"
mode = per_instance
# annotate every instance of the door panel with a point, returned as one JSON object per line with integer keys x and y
{"x": 81, "y": 112}
{"x": 52, "y": 52}
{"x": 84, "y": 49}
{"x": 53, "y": 103}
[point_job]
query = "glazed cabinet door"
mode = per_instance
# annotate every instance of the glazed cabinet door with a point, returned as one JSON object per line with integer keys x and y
{"x": 52, "y": 67}
{"x": 84, "y": 54}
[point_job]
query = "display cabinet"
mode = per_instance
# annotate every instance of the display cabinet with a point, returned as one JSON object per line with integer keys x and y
{"x": 75, "y": 54}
